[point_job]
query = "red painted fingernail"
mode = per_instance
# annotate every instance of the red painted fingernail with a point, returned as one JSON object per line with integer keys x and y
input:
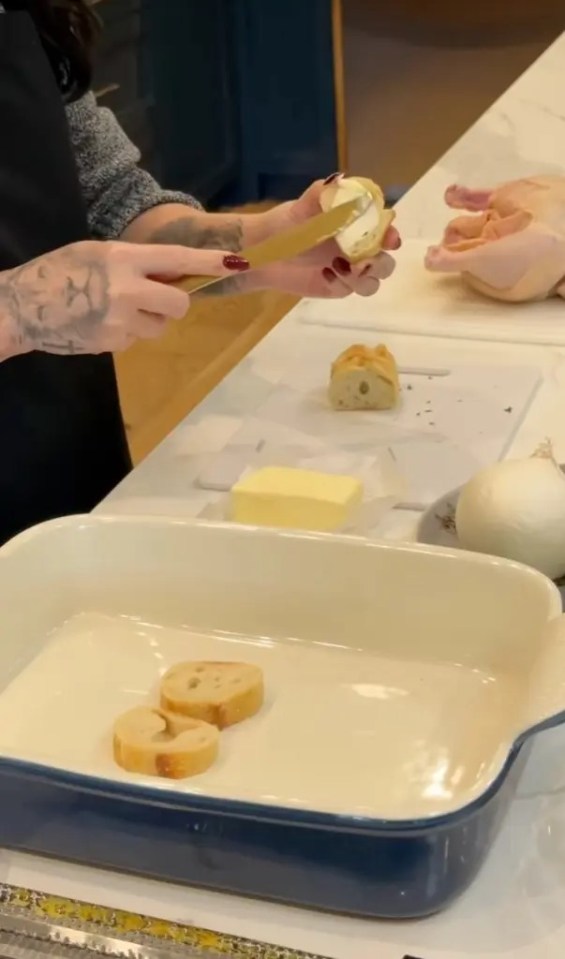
{"x": 398, "y": 244}
{"x": 332, "y": 177}
{"x": 328, "y": 274}
{"x": 234, "y": 262}
{"x": 341, "y": 265}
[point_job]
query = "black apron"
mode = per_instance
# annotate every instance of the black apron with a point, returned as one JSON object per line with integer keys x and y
{"x": 62, "y": 440}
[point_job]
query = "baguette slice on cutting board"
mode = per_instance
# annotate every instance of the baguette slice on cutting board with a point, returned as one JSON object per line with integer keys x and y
{"x": 219, "y": 693}
{"x": 154, "y": 742}
{"x": 364, "y": 378}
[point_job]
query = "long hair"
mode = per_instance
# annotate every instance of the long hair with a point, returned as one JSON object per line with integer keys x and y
{"x": 68, "y": 30}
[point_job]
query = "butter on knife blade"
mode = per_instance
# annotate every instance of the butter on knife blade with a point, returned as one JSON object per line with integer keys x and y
{"x": 289, "y": 243}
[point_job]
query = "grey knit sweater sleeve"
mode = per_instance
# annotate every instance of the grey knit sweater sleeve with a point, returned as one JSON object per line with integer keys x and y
{"x": 115, "y": 187}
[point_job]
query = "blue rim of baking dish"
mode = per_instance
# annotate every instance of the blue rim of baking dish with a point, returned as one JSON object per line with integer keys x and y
{"x": 259, "y": 812}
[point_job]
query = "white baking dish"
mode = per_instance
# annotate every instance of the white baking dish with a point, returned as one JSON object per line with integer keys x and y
{"x": 398, "y": 677}
{"x": 402, "y": 682}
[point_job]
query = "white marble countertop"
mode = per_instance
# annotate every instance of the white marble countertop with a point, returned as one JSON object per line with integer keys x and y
{"x": 522, "y": 133}
{"x": 517, "y": 905}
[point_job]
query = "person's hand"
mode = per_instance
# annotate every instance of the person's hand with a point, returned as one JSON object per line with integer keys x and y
{"x": 324, "y": 271}
{"x": 98, "y": 297}
{"x": 512, "y": 246}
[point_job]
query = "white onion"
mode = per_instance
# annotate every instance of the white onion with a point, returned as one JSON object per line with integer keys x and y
{"x": 516, "y": 509}
{"x": 362, "y": 238}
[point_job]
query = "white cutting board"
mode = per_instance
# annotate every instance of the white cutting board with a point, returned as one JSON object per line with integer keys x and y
{"x": 428, "y": 304}
{"x": 447, "y": 426}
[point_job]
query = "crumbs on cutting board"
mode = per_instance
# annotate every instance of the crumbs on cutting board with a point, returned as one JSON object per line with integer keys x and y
{"x": 447, "y": 519}
{"x": 365, "y": 377}
{"x": 409, "y": 387}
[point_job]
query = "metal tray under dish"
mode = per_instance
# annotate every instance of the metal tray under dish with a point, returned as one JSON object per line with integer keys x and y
{"x": 34, "y": 925}
{"x": 375, "y": 777}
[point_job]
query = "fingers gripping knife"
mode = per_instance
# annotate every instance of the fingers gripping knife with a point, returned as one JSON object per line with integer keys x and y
{"x": 287, "y": 244}
{"x": 34, "y": 925}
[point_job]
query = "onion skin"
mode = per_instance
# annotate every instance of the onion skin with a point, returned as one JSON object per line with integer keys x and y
{"x": 516, "y": 510}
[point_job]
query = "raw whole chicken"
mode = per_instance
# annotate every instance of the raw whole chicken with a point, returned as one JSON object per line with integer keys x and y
{"x": 512, "y": 247}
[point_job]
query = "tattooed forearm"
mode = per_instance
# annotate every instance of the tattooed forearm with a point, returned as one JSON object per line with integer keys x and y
{"x": 63, "y": 348}
{"x": 54, "y": 303}
{"x": 12, "y": 338}
{"x": 194, "y": 231}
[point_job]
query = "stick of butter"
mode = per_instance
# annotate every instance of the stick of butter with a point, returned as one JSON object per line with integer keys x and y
{"x": 295, "y": 499}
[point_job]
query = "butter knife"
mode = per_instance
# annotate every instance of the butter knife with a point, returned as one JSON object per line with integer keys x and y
{"x": 289, "y": 243}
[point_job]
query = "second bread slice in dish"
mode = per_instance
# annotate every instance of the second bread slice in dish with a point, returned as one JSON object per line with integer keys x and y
{"x": 219, "y": 693}
{"x": 155, "y": 743}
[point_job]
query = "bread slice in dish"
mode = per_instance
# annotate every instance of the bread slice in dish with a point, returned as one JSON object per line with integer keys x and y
{"x": 220, "y": 693}
{"x": 153, "y": 742}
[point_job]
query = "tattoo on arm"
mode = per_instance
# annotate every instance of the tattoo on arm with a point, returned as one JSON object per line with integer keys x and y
{"x": 189, "y": 231}
{"x": 55, "y": 303}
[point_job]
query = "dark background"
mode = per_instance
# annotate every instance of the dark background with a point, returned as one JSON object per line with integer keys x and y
{"x": 231, "y": 100}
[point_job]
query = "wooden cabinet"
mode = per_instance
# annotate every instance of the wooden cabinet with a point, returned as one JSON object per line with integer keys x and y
{"x": 232, "y": 100}
{"x": 503, "y": 17}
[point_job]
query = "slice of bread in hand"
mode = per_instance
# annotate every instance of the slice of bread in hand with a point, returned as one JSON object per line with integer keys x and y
{"x": 364, "y": 378}
{"x": 364, "y": 237}
{"x": 219, "y": 693}
{"x": 156, "y": 743}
